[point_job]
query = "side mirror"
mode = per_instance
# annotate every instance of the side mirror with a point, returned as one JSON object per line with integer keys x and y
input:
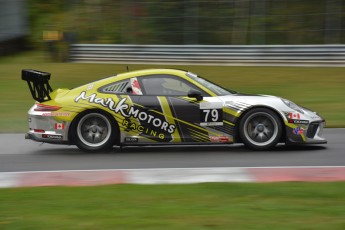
{"x": 195, "y": 94}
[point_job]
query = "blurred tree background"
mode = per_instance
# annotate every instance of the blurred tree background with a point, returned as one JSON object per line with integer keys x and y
{"x": 220, "y": 22}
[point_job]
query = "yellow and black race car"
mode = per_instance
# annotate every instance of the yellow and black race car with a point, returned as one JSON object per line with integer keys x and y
{"x": 163, "y": 106}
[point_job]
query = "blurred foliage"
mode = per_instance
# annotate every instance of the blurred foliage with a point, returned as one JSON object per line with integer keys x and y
{"x": 190, "y": 21}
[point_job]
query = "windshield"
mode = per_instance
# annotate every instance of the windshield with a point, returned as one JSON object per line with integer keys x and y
{"x": 211, "y": 86}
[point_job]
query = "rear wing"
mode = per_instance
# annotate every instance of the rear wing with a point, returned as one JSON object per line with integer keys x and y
{"x": 38, "y": 83}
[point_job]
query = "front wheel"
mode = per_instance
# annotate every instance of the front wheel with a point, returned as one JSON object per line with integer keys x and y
{"x": 94, "y": 132}
{"x": 260, "y": 129}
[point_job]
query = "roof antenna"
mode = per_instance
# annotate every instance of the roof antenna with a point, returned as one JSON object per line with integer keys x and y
{"x": 127, "y": 68}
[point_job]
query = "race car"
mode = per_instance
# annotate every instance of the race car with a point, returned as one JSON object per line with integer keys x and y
{"x": 163, "y": 107}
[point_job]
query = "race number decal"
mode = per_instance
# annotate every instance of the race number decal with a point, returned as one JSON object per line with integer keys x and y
{"x": 211, "y": 113}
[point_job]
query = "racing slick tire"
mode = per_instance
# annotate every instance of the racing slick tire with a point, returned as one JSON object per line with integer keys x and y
{"x": 94, "y": 132}
{"x": 260, "y": 129}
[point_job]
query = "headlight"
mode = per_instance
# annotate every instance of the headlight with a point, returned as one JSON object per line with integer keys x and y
{"x": 292, "y": 105}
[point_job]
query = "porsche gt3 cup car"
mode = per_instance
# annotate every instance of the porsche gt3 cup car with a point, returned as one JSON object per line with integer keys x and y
{"x": 163, "y": 106}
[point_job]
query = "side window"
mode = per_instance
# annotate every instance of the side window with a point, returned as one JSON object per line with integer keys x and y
{"x": 121, "y": 87}
{"x": 167, "y": 85}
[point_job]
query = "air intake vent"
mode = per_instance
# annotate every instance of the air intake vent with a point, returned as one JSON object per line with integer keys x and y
{"x": 116, "y": 88}
{"x": 312, "y": 130}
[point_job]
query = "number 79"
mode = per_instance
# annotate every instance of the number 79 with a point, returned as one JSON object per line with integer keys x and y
{"x": 214, "y": 114}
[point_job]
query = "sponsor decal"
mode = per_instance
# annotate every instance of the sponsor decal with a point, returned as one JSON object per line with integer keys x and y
{"x": 89, "y": 87}
{"x": 142, "y": 129}
{"x": 49, "y": 136}
{"x": 303, "y": 122}
{"x": 57, "y": 114}
{"x": 131, "y": 139}
{"x": 298, "y": 131}
{"x": 219, "y": 139}
{"x": 211, "y": 113}
{"x": 59, "y": 126}
{"x": 293, "y": 115}
{"x": 128, "y": 111}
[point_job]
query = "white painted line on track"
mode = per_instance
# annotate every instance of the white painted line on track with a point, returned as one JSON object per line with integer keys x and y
{"x": 170, "y": 176}
{"x": 187, "y": 175}
{"x": 8, "y": 179}
{"x": 198, "y": 168}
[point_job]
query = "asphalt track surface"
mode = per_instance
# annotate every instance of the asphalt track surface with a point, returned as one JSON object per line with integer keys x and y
{"x": 18, "y": 155}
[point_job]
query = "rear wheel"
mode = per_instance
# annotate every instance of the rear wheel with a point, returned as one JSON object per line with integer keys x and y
{"x": 260, "y": 129}
{"x": 95, "y": 132}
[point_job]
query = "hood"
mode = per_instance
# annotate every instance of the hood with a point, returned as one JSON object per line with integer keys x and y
{"x": 241, "y": 102}
{"x": 250, "y": 98}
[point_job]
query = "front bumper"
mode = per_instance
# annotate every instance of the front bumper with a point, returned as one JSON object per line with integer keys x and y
{"x": 306, "y": 134}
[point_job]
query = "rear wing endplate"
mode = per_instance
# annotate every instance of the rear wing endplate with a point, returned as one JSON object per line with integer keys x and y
{"x": 38, "y": 83}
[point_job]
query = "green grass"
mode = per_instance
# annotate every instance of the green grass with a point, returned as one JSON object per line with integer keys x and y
{"x": 197, "y": 206}
{"x": 321, "y": 89}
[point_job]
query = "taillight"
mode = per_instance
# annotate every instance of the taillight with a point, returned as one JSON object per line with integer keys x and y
{"x": 39, "y": 130}
{"x": 43, "y": 107}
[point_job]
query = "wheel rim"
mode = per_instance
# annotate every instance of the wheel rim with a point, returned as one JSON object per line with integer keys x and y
{"x": 260, "y": 128}
{"x": 94, "y": 130}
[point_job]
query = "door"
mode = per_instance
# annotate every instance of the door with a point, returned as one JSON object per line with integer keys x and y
{"x": 175, "y": 117}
